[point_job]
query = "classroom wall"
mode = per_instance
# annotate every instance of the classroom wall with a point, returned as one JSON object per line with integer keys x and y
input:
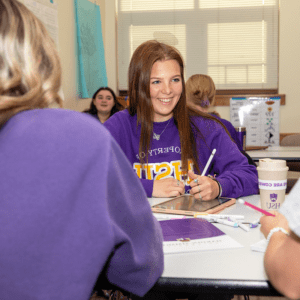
{"x": 289, "y": 67}
{"x": 289, "y": 62}
{"x": 67, "y": 49}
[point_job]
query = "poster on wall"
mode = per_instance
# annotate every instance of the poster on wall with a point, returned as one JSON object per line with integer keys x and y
{"x": 46, "y": 11}
{"x": 90, "y": 49}
{"x": 260, "y": 116}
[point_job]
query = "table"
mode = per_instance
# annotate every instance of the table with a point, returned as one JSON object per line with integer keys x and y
{"x": 291, "y": 154}
{"x": 235, "y": 271}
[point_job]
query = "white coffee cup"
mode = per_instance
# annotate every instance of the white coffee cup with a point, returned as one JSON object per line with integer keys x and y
{"x": 272, "y": 182}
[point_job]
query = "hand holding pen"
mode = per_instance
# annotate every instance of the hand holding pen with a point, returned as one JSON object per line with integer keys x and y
{"x": 204, "y": 188}
{"x": 268, "y": 223}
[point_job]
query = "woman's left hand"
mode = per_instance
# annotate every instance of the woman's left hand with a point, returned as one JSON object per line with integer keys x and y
{"x": 203, "y": 187}
{"x": 269, "y": 222}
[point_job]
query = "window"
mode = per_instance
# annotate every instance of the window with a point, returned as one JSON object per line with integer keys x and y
{"x": 233, "y": 41}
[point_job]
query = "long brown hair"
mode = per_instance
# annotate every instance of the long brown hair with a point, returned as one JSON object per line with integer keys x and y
{"x": 140, "y": 104}
{"x": 140, "y": 101}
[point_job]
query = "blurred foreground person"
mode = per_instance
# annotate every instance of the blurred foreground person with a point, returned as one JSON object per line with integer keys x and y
{"x": 282, "y": 257}
{"x": 71, "y": 206}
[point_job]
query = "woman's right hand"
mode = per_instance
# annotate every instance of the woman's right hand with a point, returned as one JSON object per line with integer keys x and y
{"x": 168, "y": 187}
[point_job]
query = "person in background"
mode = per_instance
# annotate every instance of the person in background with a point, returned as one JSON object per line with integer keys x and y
{"x": 104, "y": 104}
{"x": 200, "y": 95}
{"x": 282, "y": 257}
{"x": 164, "y": 140}
{"x": 65, "y": 183}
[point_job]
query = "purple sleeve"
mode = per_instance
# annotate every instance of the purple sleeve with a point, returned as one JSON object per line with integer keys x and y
{"x": 137, "y": 261}
{"x": 119, "y": 127}
{"x": 233, "y": 133}
{"x": 148, "y": 186}
{"x": 231, "y": 130}
{"x": 234, "y": 173}
{"x": 71, "y": 207}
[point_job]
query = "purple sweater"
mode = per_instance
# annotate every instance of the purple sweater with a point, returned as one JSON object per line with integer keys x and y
{"x": 231, "y": 130}
{"x": 70, "y": 203}
{"x": 230, "y": 166}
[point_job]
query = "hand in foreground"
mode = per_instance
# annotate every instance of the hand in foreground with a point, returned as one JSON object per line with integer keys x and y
{"x": 269, "y": 222}
{"x": 168, "y": 187}
{"x": 203, "y": 187}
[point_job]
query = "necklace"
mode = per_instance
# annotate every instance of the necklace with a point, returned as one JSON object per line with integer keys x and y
{"x": 157, "y": 136}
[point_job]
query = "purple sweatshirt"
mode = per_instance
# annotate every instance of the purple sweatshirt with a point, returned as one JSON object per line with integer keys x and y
{"x": 230, "y": 166}
{"x": 231, "y": 130}
{"x": 70, "y": 203}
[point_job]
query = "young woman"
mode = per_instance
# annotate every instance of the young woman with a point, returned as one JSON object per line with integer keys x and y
{"x": 104, "y": 104}
{"x": 200, "y": 95}
{"x": 63, "y": 180}
{"x": 164, "y": 140}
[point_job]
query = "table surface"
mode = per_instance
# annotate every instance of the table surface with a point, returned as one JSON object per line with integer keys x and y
{"x": 239, "y": 271}
{"x": 285, "y": 153}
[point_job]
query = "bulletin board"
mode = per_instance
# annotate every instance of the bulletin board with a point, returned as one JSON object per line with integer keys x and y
{"x": 260, "y": 116}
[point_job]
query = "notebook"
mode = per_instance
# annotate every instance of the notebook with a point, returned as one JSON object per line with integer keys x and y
{"x": 191, "y": 234}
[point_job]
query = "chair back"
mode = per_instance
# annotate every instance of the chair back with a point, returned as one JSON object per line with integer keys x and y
{"x": 291, "y": 140}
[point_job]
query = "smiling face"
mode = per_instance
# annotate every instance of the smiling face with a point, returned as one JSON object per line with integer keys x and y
{"x": 165, "y": 88}
{"x": 104, "y": 102}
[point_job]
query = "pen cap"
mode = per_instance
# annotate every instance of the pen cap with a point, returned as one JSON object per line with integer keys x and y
{"x": 241, "y": 133}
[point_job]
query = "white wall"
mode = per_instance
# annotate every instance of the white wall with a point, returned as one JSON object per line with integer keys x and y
{"x": 67, "y": 52}
{"x": 289, "y": 64}
{"x": 289, "y": 61}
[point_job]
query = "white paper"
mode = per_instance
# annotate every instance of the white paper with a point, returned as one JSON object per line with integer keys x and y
{"x": 214, "y": 243}
{"x": 260, "y": 246}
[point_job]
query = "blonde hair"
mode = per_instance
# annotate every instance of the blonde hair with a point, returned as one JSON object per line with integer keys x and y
{"x": 30, "y": 71}
{"x": 200, "y": 90}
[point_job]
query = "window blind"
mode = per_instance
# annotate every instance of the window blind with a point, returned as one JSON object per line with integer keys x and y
{"x": 233, "y": 41}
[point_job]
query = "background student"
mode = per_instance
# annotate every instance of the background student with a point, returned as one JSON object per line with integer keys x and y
{"x": 162, "y": 138}
{"x": 104, "y": 104}
{"x": 282, "y": 257}
{"x": 65, "y": 184}
{"x": 200, "y": 93}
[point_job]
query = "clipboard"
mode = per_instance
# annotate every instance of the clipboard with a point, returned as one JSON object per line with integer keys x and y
{"x": 188, "y": 205}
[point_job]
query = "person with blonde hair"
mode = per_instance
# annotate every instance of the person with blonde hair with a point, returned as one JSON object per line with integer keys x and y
{"x": 164, "y": 140}
{"x": 65, "y": 184}
{"x": 200, "y": 95}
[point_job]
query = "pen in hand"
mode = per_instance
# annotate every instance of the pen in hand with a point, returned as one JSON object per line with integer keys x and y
{"x": 255, "y": 207}
{"x": 208, "y": 162}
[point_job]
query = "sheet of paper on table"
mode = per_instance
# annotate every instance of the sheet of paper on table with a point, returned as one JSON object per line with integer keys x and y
{"x": 190, "y": 234}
